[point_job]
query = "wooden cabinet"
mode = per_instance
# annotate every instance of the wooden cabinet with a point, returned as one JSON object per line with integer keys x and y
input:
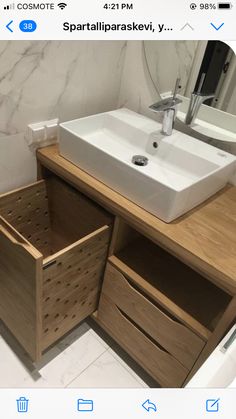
{"x": 160, "y": 310}
{"x": 157, "y": 340}
{"x": 158, "y": 362}
{"x": 169, "y": 292}
{"x": 157, "y": 323}
{"x": 54, "y": 244}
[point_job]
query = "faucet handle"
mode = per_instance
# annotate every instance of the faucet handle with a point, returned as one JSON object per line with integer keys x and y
{"x": 169, "y": 102}
{"x": 165, "y": 104}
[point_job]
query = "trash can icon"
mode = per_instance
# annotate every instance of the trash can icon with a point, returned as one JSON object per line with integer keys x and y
{"x": 22, "y": 405}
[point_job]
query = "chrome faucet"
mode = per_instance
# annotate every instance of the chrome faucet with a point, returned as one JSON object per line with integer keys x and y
{"x": 169, "y": 107}
{"x": 196, "y": 100}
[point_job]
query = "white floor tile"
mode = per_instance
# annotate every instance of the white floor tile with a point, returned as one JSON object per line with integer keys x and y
{"x": 81, "y": 359}
{"x": 71, "y": 361}
{"x": 126, "y": 366}
{"x": 96, "y": 335}
{"x": 73, "y": 336}
{"x": 13, "y": 371}
{"x": 58, "y": 367}
{"x": 105, "y": 372}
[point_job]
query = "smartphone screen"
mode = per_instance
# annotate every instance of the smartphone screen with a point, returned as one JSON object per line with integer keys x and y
{"x": 118, "y": 209}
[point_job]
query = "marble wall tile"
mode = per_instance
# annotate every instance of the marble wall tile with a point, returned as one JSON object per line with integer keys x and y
{"x": 167, "y": 61}
{"x": 41, "y": 80}
{"x": 67, "y": 79}
{"x": 137, "y": 90}
{"x": 17, "y": 163}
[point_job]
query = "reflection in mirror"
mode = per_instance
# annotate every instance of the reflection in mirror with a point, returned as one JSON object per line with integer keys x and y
{"x": 210, "y": 66}
{"x": 208, "y": 86}
{"x": 191, "y": 60}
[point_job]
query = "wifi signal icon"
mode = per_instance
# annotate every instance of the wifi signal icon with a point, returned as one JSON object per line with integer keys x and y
{"x": 62, "y": 5}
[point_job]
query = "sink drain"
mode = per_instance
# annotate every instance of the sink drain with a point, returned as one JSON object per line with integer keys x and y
{"x": 140, "y": 160}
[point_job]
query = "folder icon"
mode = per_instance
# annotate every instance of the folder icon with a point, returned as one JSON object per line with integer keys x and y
{"x": 84, "y": 405}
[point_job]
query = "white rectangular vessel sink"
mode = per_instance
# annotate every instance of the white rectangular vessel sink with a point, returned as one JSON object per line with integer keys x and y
{"x": 181, "y": 171}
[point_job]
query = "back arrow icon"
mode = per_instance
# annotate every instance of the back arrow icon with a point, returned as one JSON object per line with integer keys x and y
{"x": 147, "y": 405}
{"x": 8, "y": 26}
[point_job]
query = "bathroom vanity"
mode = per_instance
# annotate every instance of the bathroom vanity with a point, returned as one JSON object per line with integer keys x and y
{"x": 71, "y": 247}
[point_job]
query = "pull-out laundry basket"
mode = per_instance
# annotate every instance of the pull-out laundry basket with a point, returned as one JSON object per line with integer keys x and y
{"x": 53, "y": 248}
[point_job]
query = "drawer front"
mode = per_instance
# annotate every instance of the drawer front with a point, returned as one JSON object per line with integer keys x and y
{"x": 20, "y": 279}
{"x": 71, "y": 284}
{"x": 157, "y": 362}
{"x": 173, "y": 336}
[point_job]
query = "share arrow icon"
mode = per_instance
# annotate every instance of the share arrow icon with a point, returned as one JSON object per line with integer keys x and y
{"x": 147, "y": 405}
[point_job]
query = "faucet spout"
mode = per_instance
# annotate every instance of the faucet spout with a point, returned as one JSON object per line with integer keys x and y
{"x": 168, "y": 106}
{"x": 168, "y": 121}
{"x": 197, "y": 99}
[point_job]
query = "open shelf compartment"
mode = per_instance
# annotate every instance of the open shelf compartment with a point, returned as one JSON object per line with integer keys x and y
{"x": 176, "y": 287}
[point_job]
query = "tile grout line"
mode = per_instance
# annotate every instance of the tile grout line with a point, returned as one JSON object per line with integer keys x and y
{"x": 127, "y": 368}
{"x": 89, "y": 365}
{"x": 99, "y": 339}
{"x": 107, "y": 350}
{"x": 117, "y": 358}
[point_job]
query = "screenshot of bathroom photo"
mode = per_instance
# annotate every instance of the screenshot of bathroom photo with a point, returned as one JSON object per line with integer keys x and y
{"x": 117, "y": 206}
{"x": 90, "y": 294}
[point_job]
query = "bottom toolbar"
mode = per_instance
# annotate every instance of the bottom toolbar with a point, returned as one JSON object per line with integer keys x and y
{"x": 130, "y": 403}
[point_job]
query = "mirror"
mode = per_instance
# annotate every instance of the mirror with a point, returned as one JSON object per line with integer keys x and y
{"x": 189, "y": 60}
{"x": 205, "y": 68}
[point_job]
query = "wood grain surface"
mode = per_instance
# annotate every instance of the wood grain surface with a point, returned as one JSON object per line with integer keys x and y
{"x": 157, "y": 362}
{"x": 20, "y": 288}
{"x": 204, "y": 238}
{"x": 173, "y": 336}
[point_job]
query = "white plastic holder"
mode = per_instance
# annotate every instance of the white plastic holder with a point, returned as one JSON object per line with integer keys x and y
{"x": 42, "y": 134}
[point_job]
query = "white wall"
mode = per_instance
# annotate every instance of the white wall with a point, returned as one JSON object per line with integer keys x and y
{"x": 170, "y": 60}
{"x": 42, "y": 80}
{"x": 137, "y": 90}
{"x": 167, "y": 60}
{"x": 17, "y": 162}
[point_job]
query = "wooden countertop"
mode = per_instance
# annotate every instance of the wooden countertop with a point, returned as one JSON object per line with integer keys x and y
{"x": 204, "y": 238}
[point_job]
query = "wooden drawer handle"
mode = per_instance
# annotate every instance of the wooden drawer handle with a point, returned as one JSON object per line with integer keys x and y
{"x": 141, "y": 330}
{"x": 11, "y": 235}
{"x": 162, "y": 301}
{"x": 16, "y": 239}
{"x": 147, "y": 300}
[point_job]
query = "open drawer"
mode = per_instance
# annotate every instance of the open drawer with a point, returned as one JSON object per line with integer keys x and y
{"x": 54, "y": 244}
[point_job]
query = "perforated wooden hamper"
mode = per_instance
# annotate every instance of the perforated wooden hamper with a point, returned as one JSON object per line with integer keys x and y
{"x": 53, "y": 248}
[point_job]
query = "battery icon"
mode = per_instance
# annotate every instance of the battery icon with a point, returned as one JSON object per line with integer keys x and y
{"x": 225, "y": 6}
